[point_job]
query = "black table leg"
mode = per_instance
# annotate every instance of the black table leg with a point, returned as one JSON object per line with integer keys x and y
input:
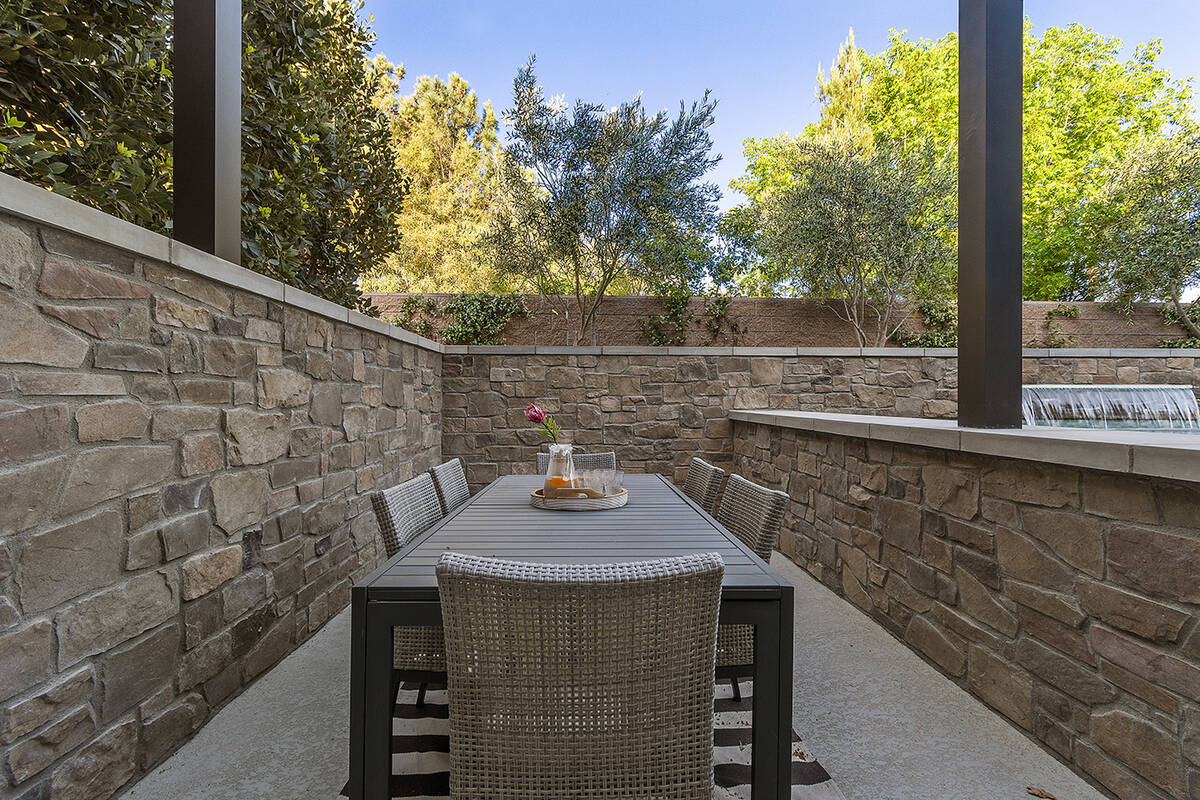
{"x": 769, "y": 737}
{"x": 376, "y": 706}
{"x": 358, "y": 643}
{"x": 783, "y": 702}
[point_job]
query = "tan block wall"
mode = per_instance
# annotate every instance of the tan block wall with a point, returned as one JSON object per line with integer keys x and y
{"x": 1067, "y": 599}
{"x": 184, "y": 479}
{"x": 782, "y": 322}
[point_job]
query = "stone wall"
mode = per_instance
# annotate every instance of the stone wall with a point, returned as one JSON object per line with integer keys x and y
{"x": 1067, "y": 599}
{"x": 788, "y": 322}
{"x": 657, "y": 409}
{"x": 184, "y": 469}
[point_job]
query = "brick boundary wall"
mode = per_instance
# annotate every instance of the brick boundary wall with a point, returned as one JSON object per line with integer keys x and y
{"x": 184, "y": 471}
{"x": 1066, "y": 599}
{"x": 787, "y": 322}
{"x": 657, "y": 410}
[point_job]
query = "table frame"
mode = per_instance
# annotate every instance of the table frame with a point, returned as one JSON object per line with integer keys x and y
{"x": 765, "y": 603}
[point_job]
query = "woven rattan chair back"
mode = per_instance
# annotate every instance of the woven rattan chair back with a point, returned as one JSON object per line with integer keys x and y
{"x": 451, "y": 484}
{"x": 581, "y": 461}
{"x": 580, "y": 681}
{"x": 406, "y": 510}
{"x": 703, "y": 484}
{"x": 753, "y": 513}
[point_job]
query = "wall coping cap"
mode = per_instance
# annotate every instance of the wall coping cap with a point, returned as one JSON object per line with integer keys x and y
{"x": 1161, "y": 455}
{"x": 44, "y": 207}
{"x": 807, "y": 352}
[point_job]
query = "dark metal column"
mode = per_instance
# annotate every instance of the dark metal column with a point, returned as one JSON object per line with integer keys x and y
{"x": 989, "y": 201}
{"x": 208, "y": 126}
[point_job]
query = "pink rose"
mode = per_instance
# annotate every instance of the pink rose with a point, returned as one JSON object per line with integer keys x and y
{"x": 534, "y": 414}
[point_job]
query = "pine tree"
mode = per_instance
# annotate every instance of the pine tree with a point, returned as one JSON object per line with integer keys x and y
{"x": 447, "y": 149}
{"x": 843, "y": 99}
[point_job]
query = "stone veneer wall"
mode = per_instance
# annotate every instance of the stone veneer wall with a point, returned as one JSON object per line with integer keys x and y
{"x": 184, "y": 469}
{"x": 1067, "y": 599}
{"x": 659, "y": 408}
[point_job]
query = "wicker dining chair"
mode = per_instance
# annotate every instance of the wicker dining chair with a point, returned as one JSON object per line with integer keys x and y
{"x": 405, "y": 511}
{"x": 451, "y": 484}
{"x": 703, "y": 484}
{"x": 754, "y": 514}
{"x": 581, "y": 461}
{"x": 580, "y": 680}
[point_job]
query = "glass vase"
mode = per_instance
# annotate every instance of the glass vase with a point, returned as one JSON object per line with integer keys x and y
{"x": 561, "y": 472}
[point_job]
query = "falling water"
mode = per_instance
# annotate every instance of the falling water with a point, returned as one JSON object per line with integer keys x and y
{"x": 1091, "y": 406}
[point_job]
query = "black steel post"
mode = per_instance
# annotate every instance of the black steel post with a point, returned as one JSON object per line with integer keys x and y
{"x": 989, "y": 207}
{"x": 208, "y": 126}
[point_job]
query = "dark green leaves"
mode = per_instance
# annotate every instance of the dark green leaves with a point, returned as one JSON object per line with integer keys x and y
{"x": 85, "y": 110}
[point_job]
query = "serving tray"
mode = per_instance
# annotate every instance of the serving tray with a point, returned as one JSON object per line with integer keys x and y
{"x": 582, "y": 502}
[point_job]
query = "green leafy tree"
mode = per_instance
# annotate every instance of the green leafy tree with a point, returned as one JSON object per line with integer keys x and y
{"x": 85, "y": 110}
{"x": 447, "y": 149}
{"x": 84, "y": 102}
{"x": 863, "y": 227}
{"x": 1084, "y": 108}
{"x": 320, "y": 186}
{"x": 1153, "y": 242}
{"x": 591, "y": 197}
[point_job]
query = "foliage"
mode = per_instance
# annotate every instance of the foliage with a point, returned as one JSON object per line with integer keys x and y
{"x": 864, "y": 228}
{"x": 416, "y": 313}
{"x": 84, "y": 102}
{"x": 480, "y": 318}
{"x": 671, "y": 326}
{"x": 717, "y": 322}
{"x": 593, "y": 197}
{"x": 1153, "y": 239}
{"x": 1172, "y": 315}
{"x": 85, "y": 109}
{"x": 1054, "y": 333}
{"x": 1084, "y": 109}
{"x": 448, "y": 151}
{"x": 843, "y": 99}
{"x": 320, "y": 187}
{"x": 940, "y": 327}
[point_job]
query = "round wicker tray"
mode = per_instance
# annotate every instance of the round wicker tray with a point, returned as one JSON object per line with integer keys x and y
{"x": 539, "y": 500}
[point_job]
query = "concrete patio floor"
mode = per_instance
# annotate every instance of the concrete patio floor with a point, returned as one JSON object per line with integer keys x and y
{"x": 885, "y": 724}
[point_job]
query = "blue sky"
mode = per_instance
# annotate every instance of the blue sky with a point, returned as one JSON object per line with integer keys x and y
{"x": 759, "y": 58}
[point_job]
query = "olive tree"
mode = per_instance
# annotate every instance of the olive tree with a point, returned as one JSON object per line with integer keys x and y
{"x": 1154, "y": 234}
{"x": 867, "y": 228}
{"x": 590, "y": 197}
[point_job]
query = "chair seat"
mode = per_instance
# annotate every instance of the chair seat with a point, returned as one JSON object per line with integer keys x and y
{"x": 735, "y": 646}
{"x": 418, "y": 648}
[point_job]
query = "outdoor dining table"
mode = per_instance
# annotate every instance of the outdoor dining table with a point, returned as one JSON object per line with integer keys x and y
{"x": 659, "y": 521}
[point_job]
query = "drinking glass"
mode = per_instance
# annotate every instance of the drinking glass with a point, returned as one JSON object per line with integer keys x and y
{"x": 614, "y": 480}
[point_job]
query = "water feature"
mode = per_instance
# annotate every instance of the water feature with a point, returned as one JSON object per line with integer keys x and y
{"x": 1165, "y": 408}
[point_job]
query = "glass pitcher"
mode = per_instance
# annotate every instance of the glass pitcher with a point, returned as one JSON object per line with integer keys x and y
{"x": 561, "y": 472}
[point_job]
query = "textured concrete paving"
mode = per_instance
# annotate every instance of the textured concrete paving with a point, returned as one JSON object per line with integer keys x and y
{"x": 885, "y": 724}
{"x": 284, "y": 738}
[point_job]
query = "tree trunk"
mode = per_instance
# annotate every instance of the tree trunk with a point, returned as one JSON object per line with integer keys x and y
{"x": 1186, "y": 321}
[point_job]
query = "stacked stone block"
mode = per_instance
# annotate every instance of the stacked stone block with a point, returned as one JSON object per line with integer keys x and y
{"x": 184, "y": 479}
{"x": 657, "y": 409}
{"x": 1067, "y": 599}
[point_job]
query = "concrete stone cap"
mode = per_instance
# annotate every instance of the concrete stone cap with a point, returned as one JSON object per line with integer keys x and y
{"x": 1155, "y": 454}
{"x": 808, "y": 352}
{"x": 33, "y": 203}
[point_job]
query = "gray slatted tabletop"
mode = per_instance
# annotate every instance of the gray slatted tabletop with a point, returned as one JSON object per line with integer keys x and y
{"x": 658, "y": 521}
